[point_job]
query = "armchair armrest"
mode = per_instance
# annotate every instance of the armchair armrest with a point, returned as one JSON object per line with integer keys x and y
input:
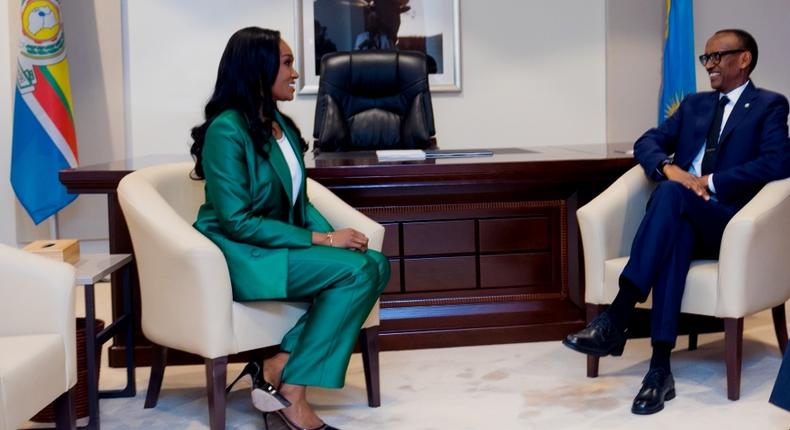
{"x": 608, "y": 225}
{"x": 753, "y": 261}
{"x": 341, "y": 215}
{"x": 37, "y": 297}
{"x": 37, "y": 294}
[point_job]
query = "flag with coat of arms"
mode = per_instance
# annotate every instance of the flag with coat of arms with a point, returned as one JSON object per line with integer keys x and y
{"x": 679, "y": 77}
{"x": 44, "y": 140}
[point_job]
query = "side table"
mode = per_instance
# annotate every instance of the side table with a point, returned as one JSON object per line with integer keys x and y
{"x": 90, "y": 270}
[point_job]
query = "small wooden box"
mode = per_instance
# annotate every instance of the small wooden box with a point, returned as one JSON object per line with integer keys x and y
{"x": 67, "y": 250}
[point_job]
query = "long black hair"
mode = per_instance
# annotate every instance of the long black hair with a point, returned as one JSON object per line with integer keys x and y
{"x": 247, "y": 71}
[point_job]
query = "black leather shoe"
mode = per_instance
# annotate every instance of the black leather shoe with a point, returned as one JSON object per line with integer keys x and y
{"x": 599, "y": 338}
{"x": 658, "y": 385}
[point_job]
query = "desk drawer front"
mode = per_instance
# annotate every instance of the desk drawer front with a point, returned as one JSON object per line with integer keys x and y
{"x": 393, "y": 286}
{"x": 439, "y": 237}
{"x": 391, "y": 246}
{"x": 514, "y": 234}
{"x": 515, "y": 270}
{"x": 473, "y": 250}
{"x": 439, "y": 273}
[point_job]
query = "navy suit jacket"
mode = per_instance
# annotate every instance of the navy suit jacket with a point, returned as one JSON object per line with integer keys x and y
{"x": 753, "y": 147}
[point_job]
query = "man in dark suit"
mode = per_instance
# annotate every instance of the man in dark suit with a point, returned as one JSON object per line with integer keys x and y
{"x": 727, "y": 144}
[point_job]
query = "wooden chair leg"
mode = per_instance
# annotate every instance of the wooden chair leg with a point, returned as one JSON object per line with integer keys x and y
{"x": 592, "y": 366}
{"x": 592, "y": 362}
{"x": 733, "y": 351}
{"x": 693, "y": 339}
{"x": 216, "y": 379}
{"x": 369, "y": 344}
{"x": 780, "y": 326}
{"x": 158, "y": 364}
{"x": 65, "y": 416}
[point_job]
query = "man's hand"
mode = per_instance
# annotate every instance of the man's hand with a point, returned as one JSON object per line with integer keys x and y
{"x": 693, "y": 183}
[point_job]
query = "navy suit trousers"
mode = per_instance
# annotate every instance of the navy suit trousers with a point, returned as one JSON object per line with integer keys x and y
{"x": 781, "y": 394}
{"x": 678, "y": 226}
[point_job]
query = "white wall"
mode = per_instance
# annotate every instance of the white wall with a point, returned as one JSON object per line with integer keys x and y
{"x": 767, "y": 20}
{"x": 174, "y": 48}
{"x": 7, "y": 199}
{"x": 93, "y": 43}
{"x": 634, "y": 41}
{"x": 533, "y": 74}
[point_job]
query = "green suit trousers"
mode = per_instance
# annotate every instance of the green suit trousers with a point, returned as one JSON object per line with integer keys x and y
{"x": 342, "y": 286}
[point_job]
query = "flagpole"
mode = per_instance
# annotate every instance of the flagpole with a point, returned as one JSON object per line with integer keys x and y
{"x": 53, "y": 228}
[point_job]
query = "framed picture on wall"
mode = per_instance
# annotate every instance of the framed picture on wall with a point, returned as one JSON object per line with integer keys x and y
{"x": 428, "y": 26}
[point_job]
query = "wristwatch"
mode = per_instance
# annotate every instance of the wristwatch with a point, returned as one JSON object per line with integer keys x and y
{"x": 660, "y": 168}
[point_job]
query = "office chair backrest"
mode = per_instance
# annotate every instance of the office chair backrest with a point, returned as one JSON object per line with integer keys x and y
{"x": 373, "y": 100}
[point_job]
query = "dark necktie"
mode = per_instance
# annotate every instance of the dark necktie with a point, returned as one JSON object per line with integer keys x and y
{"x": 712, "y": 142}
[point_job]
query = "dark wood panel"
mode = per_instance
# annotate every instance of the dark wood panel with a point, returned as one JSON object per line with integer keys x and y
{"x": 394, "y": 285}
{"x": 438, "y": 237}
{"x": 499, "y": 311}
{"x": 439, "y": 273}
{"x": 514, "y": 234}
{"x": 391, "y": 246}
{"x": 511, "y": 270}
{"x": 421, "y": 339}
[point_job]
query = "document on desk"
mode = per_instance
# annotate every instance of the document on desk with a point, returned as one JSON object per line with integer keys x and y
{"x": 400, "y": 154}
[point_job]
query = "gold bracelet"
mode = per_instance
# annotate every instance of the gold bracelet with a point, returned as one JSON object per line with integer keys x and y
{"x": 329, "y": 236}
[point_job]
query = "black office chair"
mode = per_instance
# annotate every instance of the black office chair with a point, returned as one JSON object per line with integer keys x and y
{"x": 370, "y": 100}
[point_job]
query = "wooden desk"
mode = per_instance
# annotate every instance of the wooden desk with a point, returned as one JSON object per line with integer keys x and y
{"x": 483, "y": 250}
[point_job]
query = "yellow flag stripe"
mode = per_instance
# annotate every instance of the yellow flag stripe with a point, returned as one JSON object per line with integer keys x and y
{"x": 60, "y": 72}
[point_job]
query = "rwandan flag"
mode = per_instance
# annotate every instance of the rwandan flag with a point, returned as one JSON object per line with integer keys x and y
{"x": 679, "y": 77}
{"x": 44, "y": 140}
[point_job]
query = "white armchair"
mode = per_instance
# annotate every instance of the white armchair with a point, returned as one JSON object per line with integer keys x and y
{"x": 185, "y": 290}
{"x": 751, "y": 275}
{"x": 38, "y": 358}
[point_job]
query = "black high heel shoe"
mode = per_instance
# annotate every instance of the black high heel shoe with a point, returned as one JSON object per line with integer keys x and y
{"x": 265, "y": 397}
{"x": 251, "y": 369}
{"x": 290, "y": 424}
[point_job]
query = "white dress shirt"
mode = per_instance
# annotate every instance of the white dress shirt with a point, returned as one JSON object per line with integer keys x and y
{"x": 696, "y": 165}
{"x": 293, "y": 166}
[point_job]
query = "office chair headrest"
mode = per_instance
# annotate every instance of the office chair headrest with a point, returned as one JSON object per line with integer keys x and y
{"x": 373, "y": 100}
{"x": 373, "y": 73}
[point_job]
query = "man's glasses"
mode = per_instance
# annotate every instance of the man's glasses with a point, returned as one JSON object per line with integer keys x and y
{"x": 715, "y": 57}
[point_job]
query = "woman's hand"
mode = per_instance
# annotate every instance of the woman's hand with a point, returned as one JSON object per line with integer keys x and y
{"x": 344, "y": 238}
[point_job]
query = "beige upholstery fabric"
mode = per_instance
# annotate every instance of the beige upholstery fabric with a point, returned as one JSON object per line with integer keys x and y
{"x": 752, "y": 273}
{"x": 185, "y": 288}
{"x": 37, "y": 334}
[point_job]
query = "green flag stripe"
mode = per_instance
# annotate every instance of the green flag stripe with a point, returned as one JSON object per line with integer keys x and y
{"x": 55, "y": 87}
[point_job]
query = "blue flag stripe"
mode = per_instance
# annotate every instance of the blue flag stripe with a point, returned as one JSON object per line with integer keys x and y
{"x": 35, "y": 163}
{"x": 679, "y": 78}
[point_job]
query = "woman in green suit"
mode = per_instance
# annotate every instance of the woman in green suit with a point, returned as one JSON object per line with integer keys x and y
{"x": 277, "y": 245}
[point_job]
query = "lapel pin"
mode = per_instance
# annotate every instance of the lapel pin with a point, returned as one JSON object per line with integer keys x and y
{"x": 746, "y": 106}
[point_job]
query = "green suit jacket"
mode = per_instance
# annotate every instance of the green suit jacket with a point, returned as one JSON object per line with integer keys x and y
{"x": 248, "y": 211}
